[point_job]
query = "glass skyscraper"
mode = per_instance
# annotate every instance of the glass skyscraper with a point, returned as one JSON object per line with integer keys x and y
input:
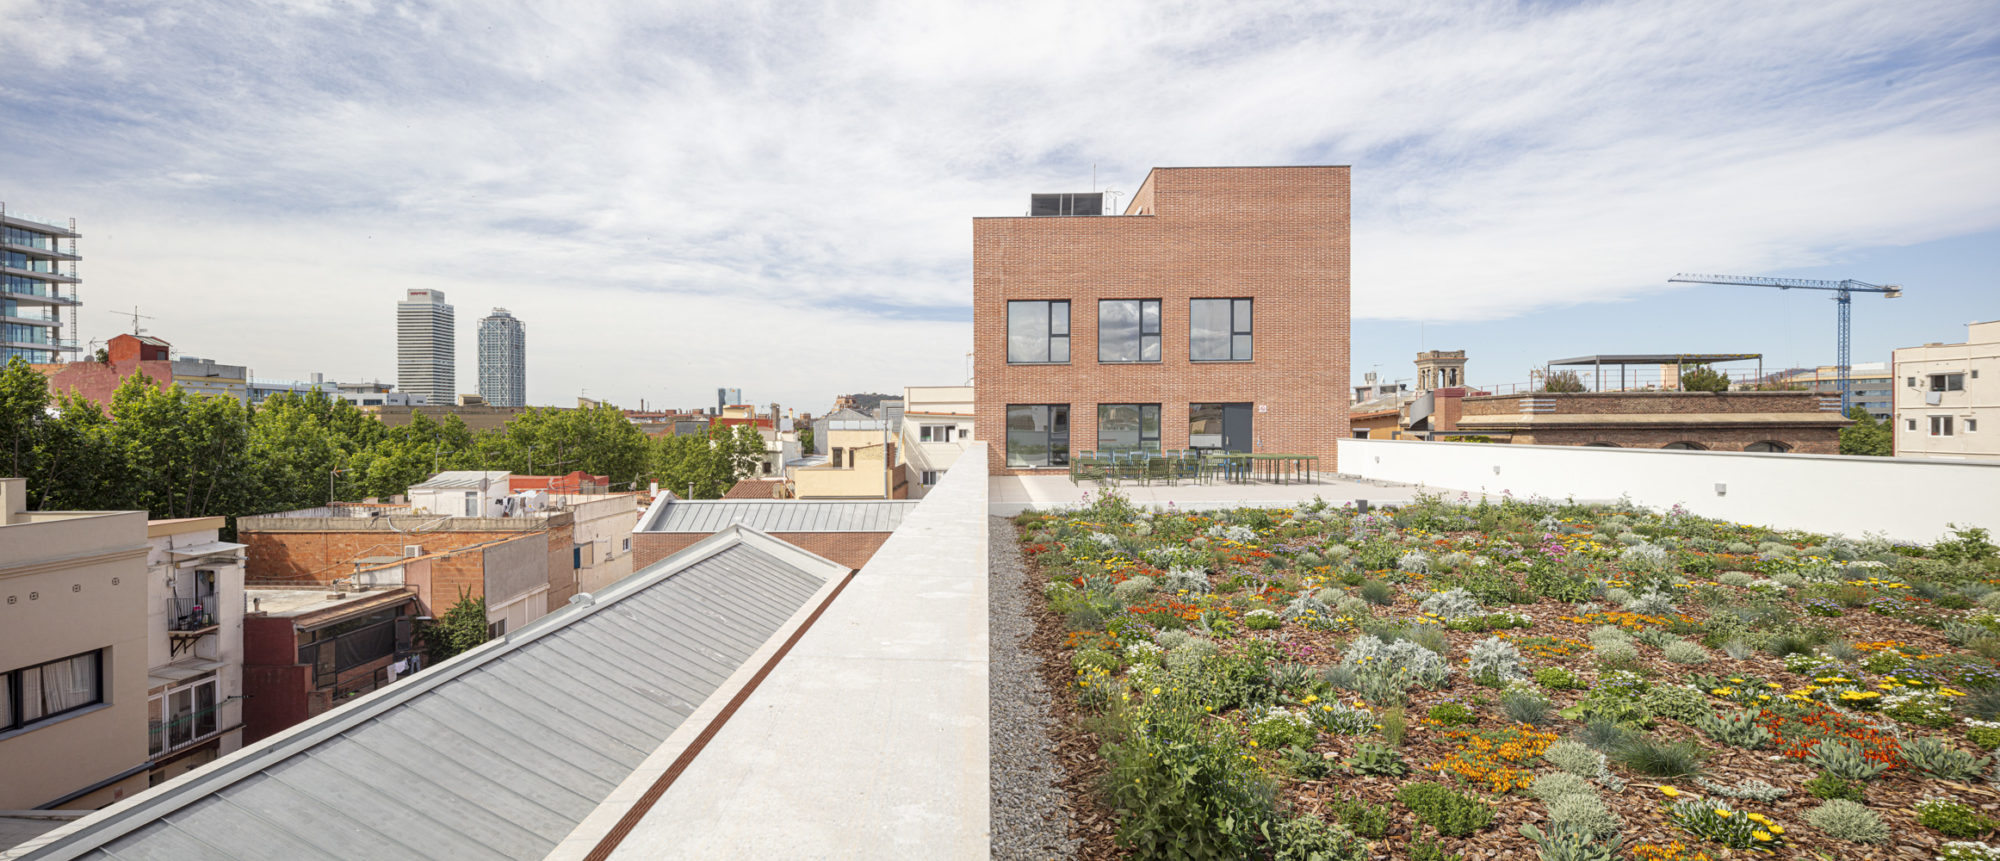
{"x": 503, "y": 360}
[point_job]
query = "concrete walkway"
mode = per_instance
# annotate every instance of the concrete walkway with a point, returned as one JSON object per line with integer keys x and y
{"x": 1013, "y": 494}
{"x": 870, "y": 738}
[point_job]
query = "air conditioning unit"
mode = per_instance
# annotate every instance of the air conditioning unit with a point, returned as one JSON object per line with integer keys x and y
{"x": 412, "y": 550}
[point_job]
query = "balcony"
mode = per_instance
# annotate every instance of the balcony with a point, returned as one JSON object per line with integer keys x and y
{"x": 39, "y": 293}
{"x": 56, "y": 277}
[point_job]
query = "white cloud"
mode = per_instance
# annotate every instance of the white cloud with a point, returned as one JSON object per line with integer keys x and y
{"x": 778, "y": 197}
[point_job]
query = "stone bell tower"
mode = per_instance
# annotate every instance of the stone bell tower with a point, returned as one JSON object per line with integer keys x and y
{"x": 1440, "y": 369}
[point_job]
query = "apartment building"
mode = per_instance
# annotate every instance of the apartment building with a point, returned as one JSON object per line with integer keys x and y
{"x": 1211, "y": 315}
{"x": 194, "y": 631}
{"x": 1948, "y": 397}
{"x": 1871, "y": 385}
{"x": 861, "y": 462}
{"x": 937, "y": 426}
{"x": 73, "y": 655}
{"x": 37, "y": 285}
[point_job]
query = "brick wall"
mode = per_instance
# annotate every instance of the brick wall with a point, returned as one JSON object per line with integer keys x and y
{"x": 1276, "y": 235}
{"x": 322, "y": 557}
{"x": 852, "y": 549}
{"x": 1799, "y": 439}
{"x": 1646, "y": 403}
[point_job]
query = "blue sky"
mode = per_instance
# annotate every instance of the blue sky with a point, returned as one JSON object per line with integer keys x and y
{"x": 778, "y": 197}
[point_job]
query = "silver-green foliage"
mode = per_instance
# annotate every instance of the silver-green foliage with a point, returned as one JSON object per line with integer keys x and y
{"x": 1193, "y": 581}
{"x": 1496, "y": 658}
{"x": 1749, "y": 787}
{"x": 1841, "y": 819}
{"x": 1454, "y": 604}
{"x": 1844, "y": 760}
{"x": 1585, "y": 812}
{"x": 1133, "y": 589}
{"x": 1554, "y": 785}
{"x": 1572, "y": 843}
{"x": 1573, "y": 757}
{"x": 1737, "y": 728}
{"x": 1937, "y": 758}
{"x": 1310, "y": 612}
{"x": 1685, "y": 652}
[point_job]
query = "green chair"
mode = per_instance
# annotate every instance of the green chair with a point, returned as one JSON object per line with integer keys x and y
{"x": 1158, "y": 466}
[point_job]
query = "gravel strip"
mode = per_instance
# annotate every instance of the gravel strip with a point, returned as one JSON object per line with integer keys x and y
{"x": 1031, "y": 817}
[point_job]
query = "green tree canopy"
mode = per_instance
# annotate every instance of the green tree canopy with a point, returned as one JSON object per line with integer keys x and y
{"x": 1700, "y": 377}
{"x": 303, "y": 449}
{"x": 549, "y": 441}
{"x": 1866, "y": 436}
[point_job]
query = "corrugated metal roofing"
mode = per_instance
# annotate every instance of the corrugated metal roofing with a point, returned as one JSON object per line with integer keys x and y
{"x": 704, "y": 516}
{"x": 463, "y": 478}
{"x": 497, "y": 754}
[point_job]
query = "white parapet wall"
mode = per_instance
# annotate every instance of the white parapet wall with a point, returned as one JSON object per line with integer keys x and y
{"x": 1902, "y": 498}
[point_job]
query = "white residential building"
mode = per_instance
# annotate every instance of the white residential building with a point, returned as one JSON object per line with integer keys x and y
{"x": 937, "y": 425}
{"x": 1948, "y": 397}
{"x": 194, "y": 635}
{"x": 426, "y": 347}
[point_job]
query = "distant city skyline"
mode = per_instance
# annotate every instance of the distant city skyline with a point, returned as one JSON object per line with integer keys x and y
{"x": 703, "y": 189}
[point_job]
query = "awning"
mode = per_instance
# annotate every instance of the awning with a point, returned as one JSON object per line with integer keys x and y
{"x": 209, "y": 549}
{"x": 181, "y": 671}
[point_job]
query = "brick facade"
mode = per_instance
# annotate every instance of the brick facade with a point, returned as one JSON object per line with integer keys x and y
{"x": 852, "y": 549}
{"x": 1802, "y": 422}
{"x": 1278, "y": 236}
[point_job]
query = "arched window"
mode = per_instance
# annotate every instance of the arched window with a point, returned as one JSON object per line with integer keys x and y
{"x": 1686, "y": 446}
{"x": 1771, "y": 446}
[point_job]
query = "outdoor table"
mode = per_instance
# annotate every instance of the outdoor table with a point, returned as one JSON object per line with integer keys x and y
{"x": 1284, "y": 467}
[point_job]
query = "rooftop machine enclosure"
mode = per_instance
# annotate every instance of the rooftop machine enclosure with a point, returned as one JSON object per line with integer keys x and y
{"x": 1066, "y": 204}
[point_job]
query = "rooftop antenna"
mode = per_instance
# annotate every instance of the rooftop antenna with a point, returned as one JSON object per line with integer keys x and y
{"x": 136, "y": 317}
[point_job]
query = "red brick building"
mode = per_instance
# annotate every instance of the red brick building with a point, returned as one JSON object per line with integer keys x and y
{"x": 125, "y": 355}
{"x": 1213, "y": 314}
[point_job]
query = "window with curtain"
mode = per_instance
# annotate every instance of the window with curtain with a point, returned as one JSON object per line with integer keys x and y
{"x": 1038, "y": 332}
{"x": 48, "y": 690}
{"x": 1219, "y": 330}
{"x": 1128, "y": 330}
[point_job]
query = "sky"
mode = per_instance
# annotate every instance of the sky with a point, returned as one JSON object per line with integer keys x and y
{"x": 778, "y": 197}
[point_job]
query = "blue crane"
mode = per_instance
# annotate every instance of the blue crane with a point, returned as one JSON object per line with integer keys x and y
{"x": 1843, "y": 295}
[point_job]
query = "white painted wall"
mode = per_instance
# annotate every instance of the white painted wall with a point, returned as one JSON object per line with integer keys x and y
{"x": 1906, "y": 499}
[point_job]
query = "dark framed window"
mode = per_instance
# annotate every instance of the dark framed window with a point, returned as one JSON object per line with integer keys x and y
{"x": 1128, "y": 330}
{"x": 1037, "y": 435}
{"x": 1128, "y": 427}
{"x": 1940, "y": 425}
{"x": 1038, "y": 332}
{"x": 1219, "y": 330}
{"x": 1947, "y": 382}
{"x": 34, "y": 694}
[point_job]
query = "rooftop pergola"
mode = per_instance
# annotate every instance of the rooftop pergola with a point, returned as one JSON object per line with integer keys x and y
{"x": 1678, "y": 360}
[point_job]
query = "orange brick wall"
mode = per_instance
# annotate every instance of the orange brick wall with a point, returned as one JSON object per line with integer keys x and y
{"x": 1276, "y": 235}
{"x": 852, "y": 549}
{"x": 322, "y": 557}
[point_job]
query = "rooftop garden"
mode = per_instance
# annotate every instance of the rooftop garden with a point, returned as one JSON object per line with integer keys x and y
{"x": 1521, "y": 679}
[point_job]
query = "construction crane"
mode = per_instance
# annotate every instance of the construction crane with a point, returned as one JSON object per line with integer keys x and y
{"x": 1843, "y": 296}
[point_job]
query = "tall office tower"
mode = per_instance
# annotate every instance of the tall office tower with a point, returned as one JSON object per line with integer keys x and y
{"x": 426, "y": 361}
{"x": 37, "y": 283}
{"x": 503, "y": 360}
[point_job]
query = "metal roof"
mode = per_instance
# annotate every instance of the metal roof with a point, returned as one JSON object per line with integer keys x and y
{"x": 778, "y": 515}
{"x": 463, "y": 478}
{"x": 497, "y": 753}
{"x": 1657, "y": 358}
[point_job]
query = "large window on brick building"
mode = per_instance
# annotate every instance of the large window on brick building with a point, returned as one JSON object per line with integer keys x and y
{"x": 1038, "y": 332}
{"x": 1037, "y": 435}
{"x": 1219, "y": 330}
{"x": 1128, "y": 330}
{"x": 1128, "y": 427}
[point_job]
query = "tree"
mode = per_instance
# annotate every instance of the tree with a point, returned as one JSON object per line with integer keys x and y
{"x": 410, "y": 453}
{"x": 1866, "y": 437}
{"x": 24, "y": 403}
{"x": 706, "y": 465}
{"x": 460, "y": 628}
{"x": 548, "y": 441}
{"x": 303, "y": 449}
{"x": 1700, "y": 377}
{"x": 184, "y": 455}
{"x": 1563, "y": 381}
{"x": 806, "y": 440}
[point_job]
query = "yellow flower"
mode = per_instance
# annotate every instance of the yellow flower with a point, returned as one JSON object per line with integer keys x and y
{"x": 1762, "y": 836}
{"x": 1724, "y": 813}
{"x": 1757, "y": 817}
{"x": 1670, "y": 792}
{"x": 1156, "y": 692}
{"x": 1777, "y": 829}
{"x": 1253, "y": 742}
